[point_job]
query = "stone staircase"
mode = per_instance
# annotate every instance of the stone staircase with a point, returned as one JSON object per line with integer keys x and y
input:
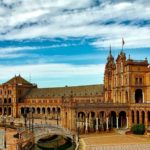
{"x": 82, "y": 145}
{"x": 122, "y": 131}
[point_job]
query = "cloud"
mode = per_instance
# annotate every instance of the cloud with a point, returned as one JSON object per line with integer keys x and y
{"x": 52, "y": 71}
{"x": 11, "y": 50}
{"x": 7, "y": 56}
{"x": 74, "y": 18}
{"x": 105, "y": 22}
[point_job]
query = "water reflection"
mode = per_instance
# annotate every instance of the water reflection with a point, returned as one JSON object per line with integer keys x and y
{"x": 54, "y": 142}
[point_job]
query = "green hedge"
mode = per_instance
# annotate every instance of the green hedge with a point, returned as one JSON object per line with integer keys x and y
{"x": 138, "y": 129}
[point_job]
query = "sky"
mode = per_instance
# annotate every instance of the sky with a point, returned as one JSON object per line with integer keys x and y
{"x": 66, "y": 42}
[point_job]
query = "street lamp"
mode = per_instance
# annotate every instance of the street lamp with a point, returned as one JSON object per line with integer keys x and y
{"x": 45, "y": 119}
{"x": 25, "y": 117}
{"x": 77, "y": 126}
{"x": 57, "y": 116}
{"x": 30, "y": 118}
{"x": 32, "y": 121}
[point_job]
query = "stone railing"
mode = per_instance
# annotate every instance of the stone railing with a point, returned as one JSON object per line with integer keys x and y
{"x": 97, "y": 105}
{"x": 41, "y": 131}
{"x": 25, "y": 137}
{"x": 140, "y": 105}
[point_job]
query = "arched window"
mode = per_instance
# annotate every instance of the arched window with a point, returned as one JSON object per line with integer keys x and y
{"x": 43, "y": 110}
{"x": 0, "y": 110}
{"x": 9, "y": 100}
{"x": 48, "y": 110}
{"x": 33, "y": 110}
{"x": 5, "y": 100}
{"x": 9, "y": 111}
{"x": 138, "y": 96}
{"x": 38, "y": 110}
{"x": 19, "y": 100}
{"x": 122, "y": 119}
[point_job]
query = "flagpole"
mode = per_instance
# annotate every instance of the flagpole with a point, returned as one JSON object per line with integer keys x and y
{"x": 122, "y": 44}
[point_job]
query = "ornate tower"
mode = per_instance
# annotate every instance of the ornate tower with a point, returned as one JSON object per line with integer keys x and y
{"x": 121, "y": 79}
{"x": 108, "y": 77}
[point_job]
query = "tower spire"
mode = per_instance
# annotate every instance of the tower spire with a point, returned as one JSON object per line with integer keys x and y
{"x": 123, "y": 42}
{"x": 110, "y": 50}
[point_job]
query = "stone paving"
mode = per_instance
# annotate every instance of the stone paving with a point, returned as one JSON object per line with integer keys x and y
{"x": 11, "y": 141}
{"x": 120, "y": 147}
{"x": 2, "y": 138}
{"x": 112, "y": 141}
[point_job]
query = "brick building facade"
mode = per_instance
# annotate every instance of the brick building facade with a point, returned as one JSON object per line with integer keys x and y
{"x": 123, "y": 100}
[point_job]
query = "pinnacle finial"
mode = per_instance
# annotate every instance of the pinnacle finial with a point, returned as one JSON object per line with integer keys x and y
{"x": 129, "y": 56}
{"x": 123, "y": 42}
{"x": 110, "y": 50}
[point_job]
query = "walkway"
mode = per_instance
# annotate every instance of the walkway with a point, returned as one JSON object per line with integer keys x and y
{"x": 2, "y": 133}
{"x": 121, "y": 147}
{"x": 112, "y": 141}
{"x": 11, "y": 141}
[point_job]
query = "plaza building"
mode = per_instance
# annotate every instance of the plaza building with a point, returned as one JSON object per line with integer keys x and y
{"x": 123, "y": 99}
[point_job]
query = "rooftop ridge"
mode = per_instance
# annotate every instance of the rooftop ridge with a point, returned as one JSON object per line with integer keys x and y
{"x": 72, "y": 86}
{"x": 17, "y": 80}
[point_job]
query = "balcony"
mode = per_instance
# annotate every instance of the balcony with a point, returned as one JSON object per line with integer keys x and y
{"x": 5, "y": 104}
{"x": 102, "y": 105}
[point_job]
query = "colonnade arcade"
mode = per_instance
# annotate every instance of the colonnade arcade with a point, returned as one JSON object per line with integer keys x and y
{"x": 140, "y": 117}
{"x": 7, "y": 110}
{"x": 50, "y": 112}
{"x": 101, "y": 121}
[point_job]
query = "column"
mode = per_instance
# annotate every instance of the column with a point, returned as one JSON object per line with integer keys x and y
{"x": 146, "y": 119}
{"x": 46, "y": 111}
{"x": 86, "y": 125}
{"x": 96, "y": 123}
{"x": 143, "y": 96}
{"x": 140, "y": 117}
{"x": 56, "y": 113}
{"x": 80, "y": 117}
{"x": 134, "y": 97}
{"x": 135, "y": 117}
{"x": 2, "y": 110}
{"x": 117, "y": 118}
{"x": 107, "y": 123}
{"x": 130, "y": 119}
{"x": 89, "y": 120}
{"x": 127, "y": 122}
{"x": 19, "y": 109}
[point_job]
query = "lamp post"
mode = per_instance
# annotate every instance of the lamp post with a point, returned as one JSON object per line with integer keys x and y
{"x": 57, "y": 117}
{"x": 45, "y": 119}
{"x": 32, "y": 121}
{"x": 31, "y": 118}
{"x": 25, "y": 117}
{"x": 77, "y": 127}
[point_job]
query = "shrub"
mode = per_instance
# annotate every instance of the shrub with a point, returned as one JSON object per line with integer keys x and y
{"x": 138, "y": 129}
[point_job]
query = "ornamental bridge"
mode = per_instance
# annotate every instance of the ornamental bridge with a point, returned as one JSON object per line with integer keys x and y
{"x": 41, "y": 131}
{"x": 27, "y": 138}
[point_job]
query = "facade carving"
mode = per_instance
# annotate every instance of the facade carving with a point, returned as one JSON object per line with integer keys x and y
{"x": 123, "y": 99}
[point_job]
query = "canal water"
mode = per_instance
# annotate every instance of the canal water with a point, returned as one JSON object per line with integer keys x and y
{"x": 55, "y": 142}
